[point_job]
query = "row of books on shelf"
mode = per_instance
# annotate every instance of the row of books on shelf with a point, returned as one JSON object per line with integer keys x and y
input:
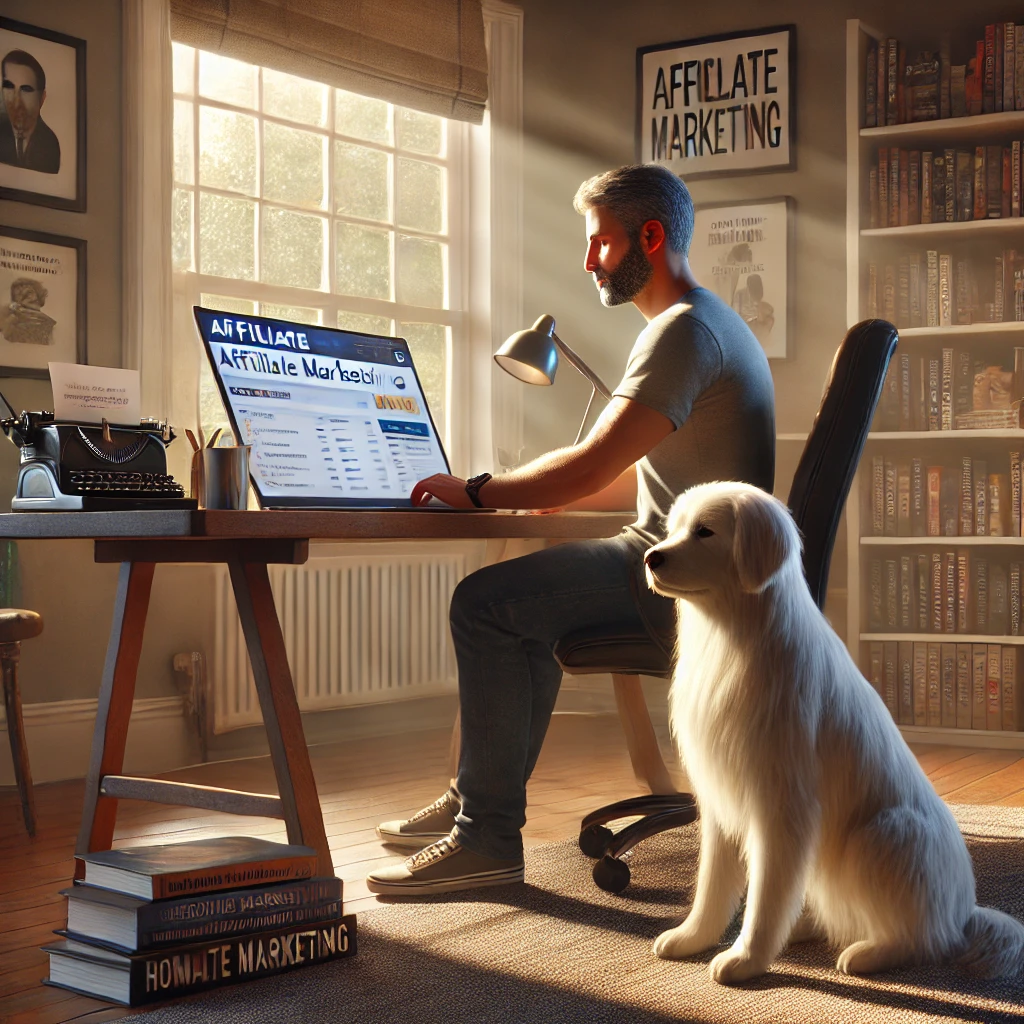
{"x": 944, "y": 592}
{"x": 150, "y": 923}
{"x": 911, "y": 186}
{"x": 914, "y": 499}
{"x": 925, "y": 86}
{"x": 932, "y": 289}
{"x": 948, "y": 685}
{"x": 949, "y": 389}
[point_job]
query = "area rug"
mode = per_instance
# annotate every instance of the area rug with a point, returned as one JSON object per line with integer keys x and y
{"x": 558, "y": 949}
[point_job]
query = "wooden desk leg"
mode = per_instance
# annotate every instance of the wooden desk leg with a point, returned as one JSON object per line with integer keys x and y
{"x": 263, "y": 637}
{"x": 134, "y": 584}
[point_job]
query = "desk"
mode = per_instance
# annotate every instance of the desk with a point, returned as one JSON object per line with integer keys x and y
{"x": 247, "y": 542}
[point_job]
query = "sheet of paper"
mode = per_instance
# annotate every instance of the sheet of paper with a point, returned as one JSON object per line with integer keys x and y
{"x": 90, "y": 394}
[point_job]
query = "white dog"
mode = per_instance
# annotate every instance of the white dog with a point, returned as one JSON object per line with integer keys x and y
{"x": 808, "y": 795}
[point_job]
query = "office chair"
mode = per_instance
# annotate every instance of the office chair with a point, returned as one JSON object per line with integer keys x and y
{"x": 821, "y": 484}
{"x": 17, "y": 625}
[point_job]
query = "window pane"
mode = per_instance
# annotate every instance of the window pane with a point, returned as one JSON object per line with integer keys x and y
{"x": 227, "y": 150}
{"x": 420, "y": 272}
{"x": 428, "y": 344}
{"x": 361, "y": 181}
{"x": 365, "y": 323}
{"x": 227, "y": 80}
{"x": 227, "y": 237}
{"x": 420, "y": 190}
{"x": 361, "y": 117}
{"x": 422, "y": 133}
{"x": 293, "y": 249}
{"x": 211, "y": 409}
{"x": 183, "y": 63}
{"x": 300, "y": 314}
{"x": 181, "y": 229}
{"x": 183, "y": 141}
{"x": 362, "y": 264}
{"x": 294, "y": 166}
{"x": 227, "y": 303}
{"x": 297, "y": 99}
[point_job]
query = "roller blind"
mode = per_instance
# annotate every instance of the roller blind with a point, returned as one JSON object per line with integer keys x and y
{"x": 425, "y": 54}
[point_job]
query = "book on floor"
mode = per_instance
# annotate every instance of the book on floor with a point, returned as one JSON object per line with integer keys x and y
{"x": 130, "y": 924}
{"x": 136, "y": 979}
{"x": 204, "y": 865}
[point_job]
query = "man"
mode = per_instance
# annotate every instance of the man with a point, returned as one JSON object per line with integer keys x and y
{"x": 696, "y": 404}
{"x": 26, "y": 140}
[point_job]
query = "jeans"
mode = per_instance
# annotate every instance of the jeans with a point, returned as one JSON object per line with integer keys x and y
{"x": 505, "y": 620}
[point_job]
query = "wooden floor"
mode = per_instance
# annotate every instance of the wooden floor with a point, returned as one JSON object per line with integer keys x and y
{"x": 360, "y": 783}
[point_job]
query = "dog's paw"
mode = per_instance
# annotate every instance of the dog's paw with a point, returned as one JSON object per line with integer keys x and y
{"x": 680, "y": 942}
{"x": 868, "y": 957}
{"x": 733, "y": 966}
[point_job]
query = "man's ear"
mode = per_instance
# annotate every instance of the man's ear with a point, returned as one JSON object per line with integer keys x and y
{"x": 652, "y": 236}
{"x": 761, "y": 542}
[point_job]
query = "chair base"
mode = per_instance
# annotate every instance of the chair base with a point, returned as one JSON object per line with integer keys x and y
{"x": 660, "y": 812}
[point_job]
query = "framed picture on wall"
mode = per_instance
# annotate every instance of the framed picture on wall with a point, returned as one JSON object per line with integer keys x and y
{"x": 42, "y": 117}
{"x": 723, "y": 104}
{"x": 42, "y": 302}
{"x": 743, "y": 251}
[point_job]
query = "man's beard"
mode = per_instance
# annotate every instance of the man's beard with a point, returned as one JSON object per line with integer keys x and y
{"x": 628, "y": 279}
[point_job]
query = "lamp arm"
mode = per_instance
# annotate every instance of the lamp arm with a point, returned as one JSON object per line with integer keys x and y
{"x": 599, "y": 386}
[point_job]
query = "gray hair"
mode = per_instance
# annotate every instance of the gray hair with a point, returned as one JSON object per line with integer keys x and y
{"x": 638, "y": 193}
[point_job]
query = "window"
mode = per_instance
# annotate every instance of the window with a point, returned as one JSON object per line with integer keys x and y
{"x": 297, "y": 200}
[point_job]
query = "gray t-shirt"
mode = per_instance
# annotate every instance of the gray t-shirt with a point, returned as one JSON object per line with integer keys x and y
{"x": 698, "y": 364}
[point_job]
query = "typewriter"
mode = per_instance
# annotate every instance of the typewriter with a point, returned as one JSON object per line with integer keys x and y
{"x": 69, "y": 466}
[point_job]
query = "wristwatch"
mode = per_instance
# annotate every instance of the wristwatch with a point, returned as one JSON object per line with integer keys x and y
{"x": 473, "y": 485}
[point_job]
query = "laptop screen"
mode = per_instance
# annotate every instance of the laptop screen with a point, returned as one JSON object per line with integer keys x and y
{"x": 335, "y": 418}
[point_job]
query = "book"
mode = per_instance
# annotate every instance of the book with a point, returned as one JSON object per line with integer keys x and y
{"x": 876, "y": 598}
{"x": 157, "y": 975}
{"x": 963, "y": 686}
{"x": 907, "y": 595}
{"x": 979, "y": 668}
{"x": 963, "y": 591}
{"x": 958, "y": 90}
{"x": 883, "y": 187}
{"x": 904, "y": 188}
{"x": 945, "y": 77}
{"x": 934, "y": 498}
{"x": 924, "y": 597}
{"x": 945, "y": 417}
{"x": 931, "y": 289}
{"x": 936, "y": 578}
{"x": 918, "y": 509}
{"x": 890, "y": 669}
{"x": 919, "y": 697}
{"x": 1018, "y": 68}
{"x": 1010, "y": 708}
{"x": 870, "y": 84}
{"x": 998, "y": 505}
{"x": 988, "y": 80}
{"x": 966, "y": 496}
{"x": 891, "y": 81}
{"x": 889, "y": 513}
{"x": 933, "y": 706}
{"x": 204, "y": 865}
{"x": 892, "y": 598}
{"x": 945, "y": 290}
{"x": 927, "y": 187}
{"x": 1013, "y": 598}
{"x": 877, "y": 496}
{"x": 905, "y": 662}
{"x": 998, "y": 61}
{"x": 132, "y": 924}
{"x": 950, "y": 189}
{"x": 947, "y": 710}
{"x": 914, "y": 189}
{"x": 949, "y": 592}
{"x": 998, "y": 604}
{"x": 980, "y": 185}
{"x": 1009, "y": 46}
{"x": 949, "y": 498}
{"x": 965, "y": 172}
{"x": 993, "y": 688}
{"x": 903, "y": 499}
{"x": 876, "y": 668}
{"x": 1015, "y": 494}
{"x": 993, "y": 181}
{"x": 980, "y": 498}
{"x": 979, "y": 593}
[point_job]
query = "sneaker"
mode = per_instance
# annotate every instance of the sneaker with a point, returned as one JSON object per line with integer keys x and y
{"x": 424, "y": 827}
{"x": 444, "y": 866}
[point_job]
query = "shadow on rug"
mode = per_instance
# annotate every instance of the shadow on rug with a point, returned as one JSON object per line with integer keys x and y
{"x": 558, "y": 949}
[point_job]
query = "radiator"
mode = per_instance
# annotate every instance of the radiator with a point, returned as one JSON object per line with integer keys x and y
{"x": 359, "y": 629}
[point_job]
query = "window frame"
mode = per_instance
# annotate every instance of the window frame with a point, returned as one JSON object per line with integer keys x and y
{"x": 461, "y": 141}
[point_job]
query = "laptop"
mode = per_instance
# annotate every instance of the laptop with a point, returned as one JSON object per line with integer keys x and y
{"x": 336, "y": 419}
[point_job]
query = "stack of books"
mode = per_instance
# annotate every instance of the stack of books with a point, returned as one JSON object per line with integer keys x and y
{"x": 150, "y": 923}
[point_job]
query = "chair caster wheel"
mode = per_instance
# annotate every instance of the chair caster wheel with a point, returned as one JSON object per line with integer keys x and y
{"x": 594, "y": 840}
{"x": 610, "y": 874}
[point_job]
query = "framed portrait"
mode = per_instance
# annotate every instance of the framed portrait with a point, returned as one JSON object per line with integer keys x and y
{"x": 743, "y": 252}
{"x": 723, "y": 104}
{"x": 42, "y": 116}
{"x": 42, "y": 302}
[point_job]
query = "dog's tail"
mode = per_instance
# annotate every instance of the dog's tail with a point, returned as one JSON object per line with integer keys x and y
{"x": 995, "y": 944}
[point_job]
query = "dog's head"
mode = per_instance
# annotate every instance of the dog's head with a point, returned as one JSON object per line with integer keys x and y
{"x": 723, "y": 536}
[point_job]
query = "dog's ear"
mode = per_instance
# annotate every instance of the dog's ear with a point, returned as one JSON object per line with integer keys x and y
{"x": 761, "y": 542}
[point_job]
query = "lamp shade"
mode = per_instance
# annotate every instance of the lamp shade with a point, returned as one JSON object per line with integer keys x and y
{"x": 531, "y": 355}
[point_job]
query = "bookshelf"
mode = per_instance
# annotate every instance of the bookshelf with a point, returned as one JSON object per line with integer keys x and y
{"x": 989, "y": 340}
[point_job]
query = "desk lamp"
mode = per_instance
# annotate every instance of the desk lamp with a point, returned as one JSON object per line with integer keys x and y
{"x": 532, "y": 356}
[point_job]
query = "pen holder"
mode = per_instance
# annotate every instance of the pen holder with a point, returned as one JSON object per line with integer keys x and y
{"x": 220, "y": 477}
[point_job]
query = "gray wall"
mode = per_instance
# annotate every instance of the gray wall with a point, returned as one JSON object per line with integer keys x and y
{"x": 60, "y": 579}
{"x": 579, "y": 119}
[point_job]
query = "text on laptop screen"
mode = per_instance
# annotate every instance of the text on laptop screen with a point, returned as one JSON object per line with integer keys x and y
{"x": 333, "y": 417}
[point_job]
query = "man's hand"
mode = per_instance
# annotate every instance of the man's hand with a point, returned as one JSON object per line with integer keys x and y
{"x": 449, "y": 489}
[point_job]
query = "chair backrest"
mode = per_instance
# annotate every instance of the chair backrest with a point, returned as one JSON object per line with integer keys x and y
{"x": 829, "y": 462}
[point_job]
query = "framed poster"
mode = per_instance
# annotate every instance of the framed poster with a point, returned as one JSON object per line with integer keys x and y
{"x": 720, "y": 104}
{"x": 743, "y": 252}
{"x": 42, "y": 302}
{"x": 42, "y": 117}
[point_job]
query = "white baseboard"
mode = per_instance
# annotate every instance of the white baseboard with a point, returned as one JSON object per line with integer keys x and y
{"x": 59, "y": 739}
